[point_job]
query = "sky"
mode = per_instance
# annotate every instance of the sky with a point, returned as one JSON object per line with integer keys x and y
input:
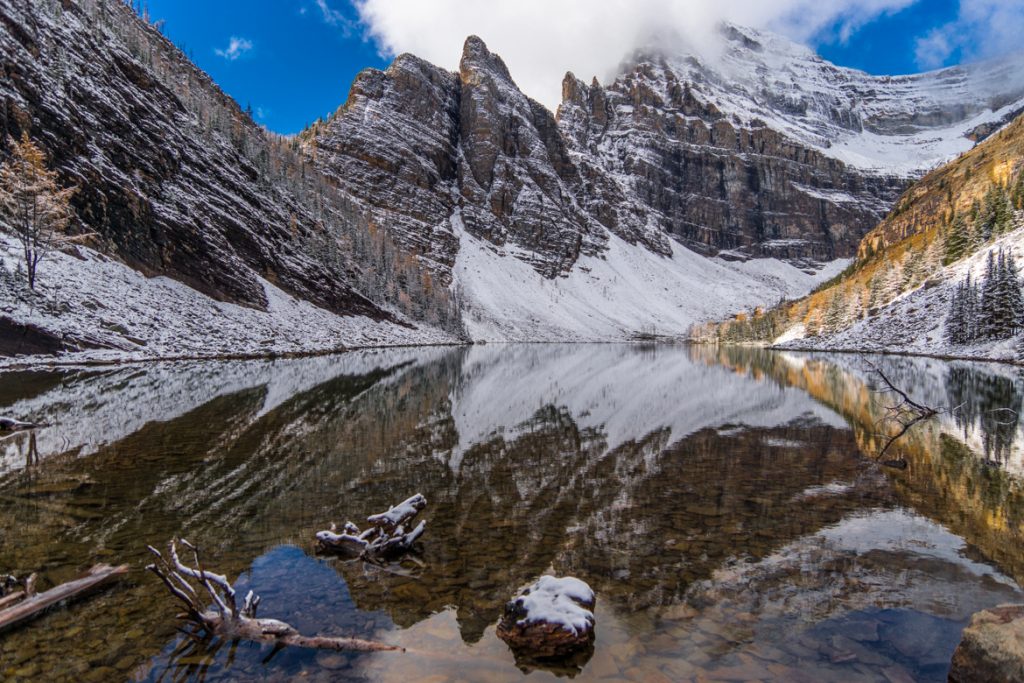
{"x": 293, "y": 61}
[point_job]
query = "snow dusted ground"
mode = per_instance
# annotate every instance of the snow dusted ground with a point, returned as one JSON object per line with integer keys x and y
{"x": 916, "y": 321}
{"x": 617, "y": 295}
{"x": 105, "y": 302}
{"x": 96, "y": 300}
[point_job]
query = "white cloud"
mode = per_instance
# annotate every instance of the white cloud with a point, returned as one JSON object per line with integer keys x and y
{"x": 235, "y": 49}
{"x": 541, "y": 39}
{"x": 982, "y": 29}
{"x": 335, "y": 17}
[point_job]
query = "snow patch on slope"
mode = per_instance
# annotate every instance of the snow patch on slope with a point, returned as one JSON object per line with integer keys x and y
{"x": 107, "y": 303}
{"x": 614, "y": 296}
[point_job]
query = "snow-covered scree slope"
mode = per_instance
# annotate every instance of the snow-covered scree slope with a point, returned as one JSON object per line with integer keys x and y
{"x": 915, "y": 322}
{"x": 627, "y": 291}
{"x": 93, "y": 300}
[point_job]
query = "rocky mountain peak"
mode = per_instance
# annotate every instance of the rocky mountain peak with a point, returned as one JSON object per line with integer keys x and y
{"x": 476, "y": 58}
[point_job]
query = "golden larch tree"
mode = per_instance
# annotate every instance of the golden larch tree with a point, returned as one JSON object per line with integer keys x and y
{"x": 33, "y": 206}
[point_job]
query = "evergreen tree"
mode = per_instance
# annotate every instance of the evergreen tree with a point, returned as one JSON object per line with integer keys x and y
{"x": 835, "y": 318}
{"x": 1015, "y": 302}
{"x": 958, "y": 240}
{"x": 961, "y": 323}
{"x": 987, "y": 312}
{"x": 911, "y": 273}
{"x": 1018, "y": 192}
{"x": 875, "y": 290}
{"x": 932, "y": 260}
{"x": 1003, "y": 323}
{"x": 891, "y": 284}
{"x": 996, "y": 215}
{"x": 955, "y": 323}
{"x": 972, "y": 311}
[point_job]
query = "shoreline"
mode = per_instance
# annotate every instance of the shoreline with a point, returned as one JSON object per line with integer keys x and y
{"x": 869, "y": 352}
{"x": 16, "y": 364}
{"x": 40, "y": 362}
{"x": 58, "y": 363}
{"x": 913, "y": 354}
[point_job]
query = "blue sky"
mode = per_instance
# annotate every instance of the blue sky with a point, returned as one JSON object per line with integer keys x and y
{"x": 294, "y": 60}
{"x": 292, "y": 67}
{"x": 888, "y": 45}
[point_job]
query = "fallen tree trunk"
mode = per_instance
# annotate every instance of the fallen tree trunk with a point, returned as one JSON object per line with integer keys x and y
{"x": 34, "y": 605}
{"x": 229, "y": 620}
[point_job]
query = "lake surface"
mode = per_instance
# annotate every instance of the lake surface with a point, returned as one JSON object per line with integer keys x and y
{"x": 727, "y": 506}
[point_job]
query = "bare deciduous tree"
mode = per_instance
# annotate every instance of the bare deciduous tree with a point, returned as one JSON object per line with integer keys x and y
{"x": 33, "y": 205}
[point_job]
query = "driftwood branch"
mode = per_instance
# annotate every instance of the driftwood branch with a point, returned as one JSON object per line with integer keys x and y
{"x": 228, "y": 619}
{"x": 390, "y": 533}
{"x": 30, "y": 605}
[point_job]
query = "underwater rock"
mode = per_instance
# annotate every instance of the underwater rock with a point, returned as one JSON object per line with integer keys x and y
{"x": 992, "y": 647}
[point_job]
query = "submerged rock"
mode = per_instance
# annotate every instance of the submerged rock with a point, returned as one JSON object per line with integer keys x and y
{"x": 551, "y": 618}
{"x": 992, "y": 648}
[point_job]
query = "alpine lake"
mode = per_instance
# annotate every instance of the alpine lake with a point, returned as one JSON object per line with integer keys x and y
{"x": 731, "y": 508}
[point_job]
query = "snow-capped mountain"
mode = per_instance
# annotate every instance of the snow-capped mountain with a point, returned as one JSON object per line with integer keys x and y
{"x": 762, "y": 149}
{"x": 766, "y": 148}
{"x": 452, "y": 199}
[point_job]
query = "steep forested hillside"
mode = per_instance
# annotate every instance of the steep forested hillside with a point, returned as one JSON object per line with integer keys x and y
{"x": 939, "y": 248}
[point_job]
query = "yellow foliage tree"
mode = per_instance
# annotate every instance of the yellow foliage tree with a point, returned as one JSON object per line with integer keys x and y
{"x": 34, "y": 207}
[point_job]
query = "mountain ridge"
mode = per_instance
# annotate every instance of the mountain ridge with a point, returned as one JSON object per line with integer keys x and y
{"x": 632, "y": 206}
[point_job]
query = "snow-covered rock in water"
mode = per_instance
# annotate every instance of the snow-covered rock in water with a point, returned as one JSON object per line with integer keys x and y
{"x": 386, "y": 537}
{"x": 550, "y": 618}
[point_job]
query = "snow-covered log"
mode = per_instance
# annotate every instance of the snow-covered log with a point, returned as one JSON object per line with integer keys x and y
{"x": 9, "y": 424}
{"x": 550, "y": 618}
{"x": 389, "y": 534}
{"x": 230, "y": 620}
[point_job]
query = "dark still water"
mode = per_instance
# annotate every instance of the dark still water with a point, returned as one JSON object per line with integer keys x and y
{"x": 727, "y": 507}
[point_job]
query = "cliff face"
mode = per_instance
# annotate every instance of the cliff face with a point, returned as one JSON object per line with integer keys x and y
{"x": 667, "y": 160}
{"x": 429, "y": 152}
{"x": 767, "y": 149}
{"x": 171, "y": 174}
{"x": 764, "y": 151}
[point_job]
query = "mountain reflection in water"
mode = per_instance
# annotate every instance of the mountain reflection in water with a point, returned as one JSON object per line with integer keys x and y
{"x": 724, "y": 504}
